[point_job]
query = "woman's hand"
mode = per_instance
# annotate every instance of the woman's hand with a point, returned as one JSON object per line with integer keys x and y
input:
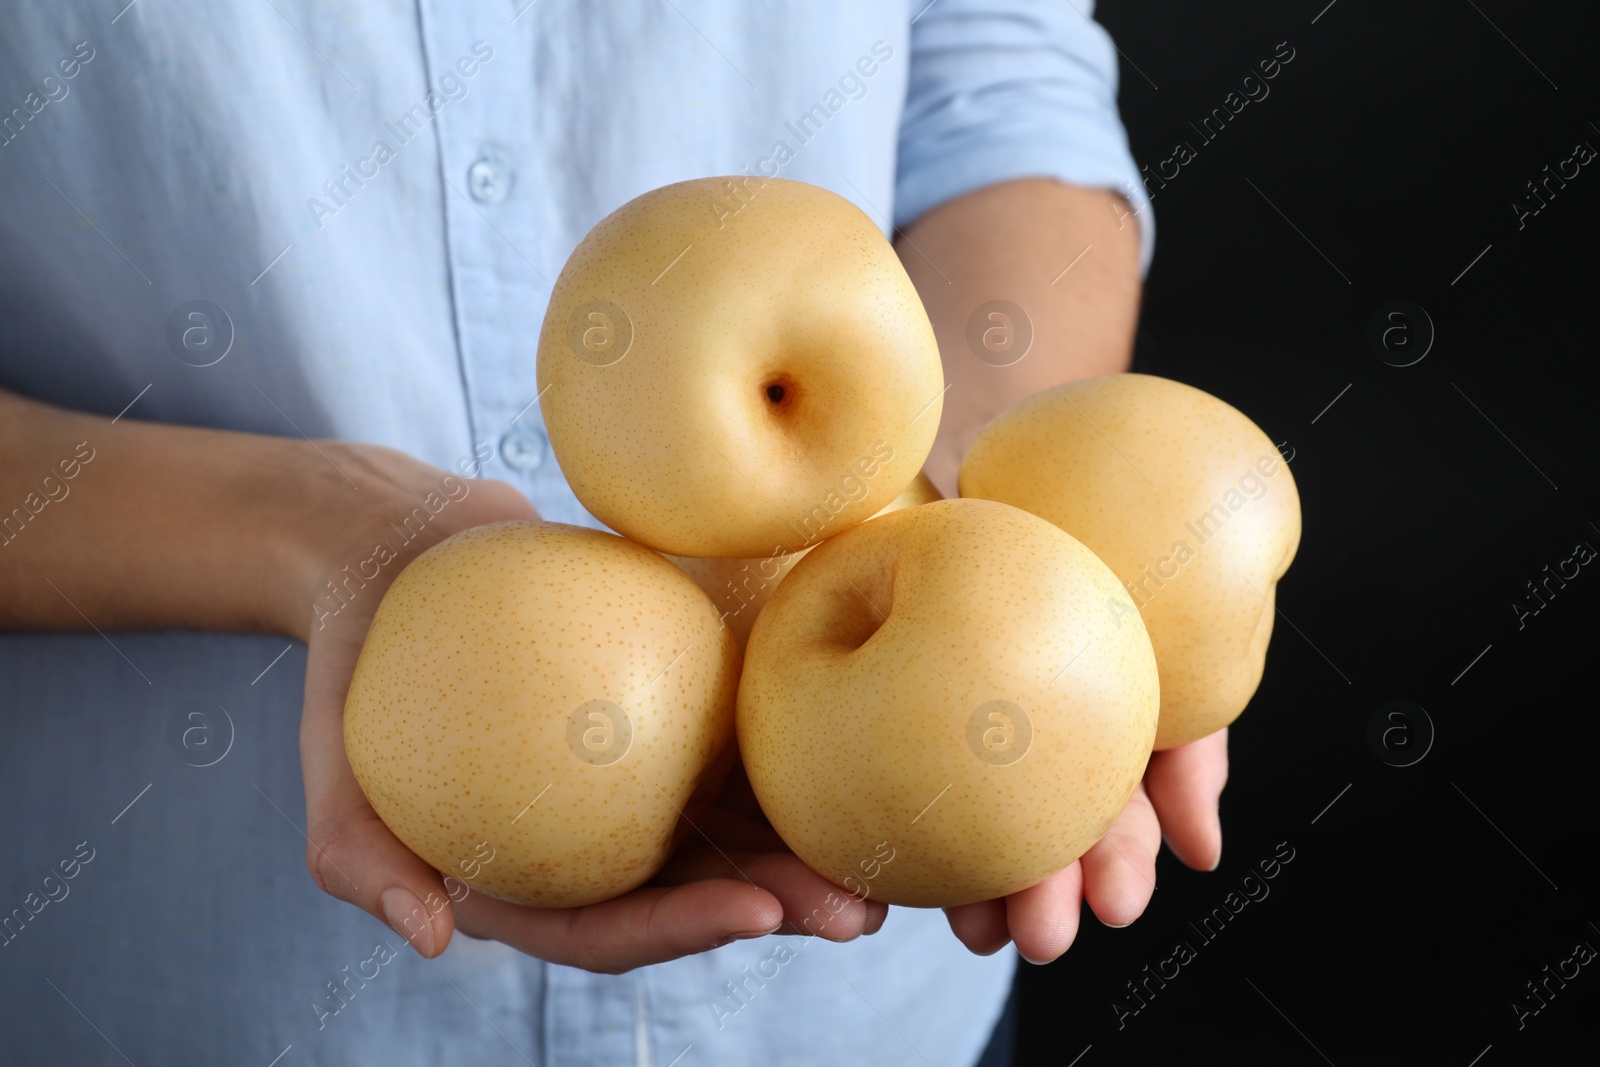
{"x": 732, "y": 877}
{"x": 1178, "y": 800}
{"x": 380, "y": 499}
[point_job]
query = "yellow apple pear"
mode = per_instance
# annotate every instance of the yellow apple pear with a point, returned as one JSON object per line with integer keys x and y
{"x": 535, "y": 707}
{"x": 740, "y": 588}
{"x": 724, "y": 362}
{"x": 1185, "y": 498}
{"x": 936, "y": 708}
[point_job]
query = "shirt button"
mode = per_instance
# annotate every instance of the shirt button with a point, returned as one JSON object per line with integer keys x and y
{"x": 523, "y": 448}
{"x": 489, "y": 179}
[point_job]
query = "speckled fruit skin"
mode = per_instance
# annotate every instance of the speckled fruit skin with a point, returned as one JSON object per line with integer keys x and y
{"x": 457, "y": 716}
{"x": 1129, "y": 464}
{"x": 678, "y": 444}
{"x": 740, "y": 588}
{"x": 861, "y": 681}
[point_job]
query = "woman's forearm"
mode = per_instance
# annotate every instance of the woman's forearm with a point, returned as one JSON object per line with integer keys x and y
{"x": 139, "y": 525}
{"x": 1067, "y": 256}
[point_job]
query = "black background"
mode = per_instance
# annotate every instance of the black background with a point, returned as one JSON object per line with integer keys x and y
{"x": 1408, "y": 922}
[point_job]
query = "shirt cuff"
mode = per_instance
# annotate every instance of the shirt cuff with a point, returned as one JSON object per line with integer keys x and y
{"x": 1000, "y": 91}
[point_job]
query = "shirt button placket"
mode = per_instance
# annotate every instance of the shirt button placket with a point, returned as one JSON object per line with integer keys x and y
{"x": 524, "y": 447}
{"x": 490, "y": 177}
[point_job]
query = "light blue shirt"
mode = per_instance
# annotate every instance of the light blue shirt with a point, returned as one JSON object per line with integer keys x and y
{"x": 344, "y": 220}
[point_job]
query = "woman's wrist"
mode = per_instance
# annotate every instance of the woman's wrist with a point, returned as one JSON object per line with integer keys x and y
{"x": 332, "y": 544}
{"x": 1067, "y": 264}
{"x": 356, "y": 519}
{"x": 299, "y": 498}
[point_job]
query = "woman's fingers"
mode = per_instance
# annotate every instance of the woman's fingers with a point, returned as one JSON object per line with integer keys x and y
{"x": 1116, "y": 877}
{"x": 1043, "y": 919}
{"x": 649, "y": 925}
{"x": 1185, "y": 784}
{"x": 811, "y": 904}
{"x": 353, "y": 856}
{"x": 1119, "y": 872}
{"x": 349, "y": 851}
{"x": 981, "y": 926}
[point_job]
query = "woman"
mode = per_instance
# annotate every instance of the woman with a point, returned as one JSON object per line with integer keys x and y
{"x": 270, "y": 278}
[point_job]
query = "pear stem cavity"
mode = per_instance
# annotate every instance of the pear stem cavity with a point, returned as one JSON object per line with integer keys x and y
{"x": 779, "y": 391}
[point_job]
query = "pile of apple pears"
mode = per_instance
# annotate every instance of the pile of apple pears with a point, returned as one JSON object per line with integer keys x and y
{"x": 747, "y": 398}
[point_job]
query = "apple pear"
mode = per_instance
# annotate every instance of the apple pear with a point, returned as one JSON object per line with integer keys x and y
{"x": 936, "y": 709}
{"x": 724, "y": 362}
{"x": 535, "y": 707}
{"x": 740, "y": 588}
{"x": 1185, "y": 498}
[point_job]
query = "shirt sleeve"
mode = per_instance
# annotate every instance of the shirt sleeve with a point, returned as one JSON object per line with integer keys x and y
{"x": 1004, "y": 89}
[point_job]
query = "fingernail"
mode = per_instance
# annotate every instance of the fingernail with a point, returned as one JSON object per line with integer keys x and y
{"x": 1036, "y": 963}
{"x": 399, "y": 906}
{"x": 1116, "y": 926}
{"x": 747, "y": 935}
